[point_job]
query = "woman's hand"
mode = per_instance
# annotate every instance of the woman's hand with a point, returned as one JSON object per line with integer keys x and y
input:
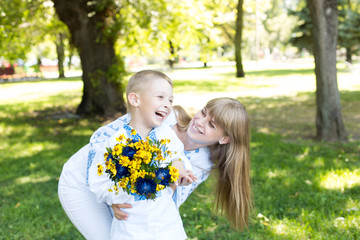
{"x": 120, "y": 215}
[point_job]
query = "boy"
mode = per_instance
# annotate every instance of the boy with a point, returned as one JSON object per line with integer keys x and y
{"x": 149, "y": 97}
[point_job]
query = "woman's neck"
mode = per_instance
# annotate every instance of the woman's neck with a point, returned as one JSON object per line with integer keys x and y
{"x": 189, "y": 145}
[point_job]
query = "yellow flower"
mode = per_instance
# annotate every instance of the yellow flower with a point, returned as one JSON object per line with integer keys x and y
{"x": 138, "y": 145}
{"x": 120, "y": 138}
{"x": 159, "y": 187}
{"x": 117, "y": 149}
{"x": 144, "y": 156}
{"x": 174, "y": 172}
{"x": 112, "y": 169}
{"x": 142, "y": 173}
{"x": 100, "y": 169}
{"x": 116, "y": 188}
{"x": 133, "y": 132}
{"x": 124, "y": 182}
{"x": 124, "y": 160}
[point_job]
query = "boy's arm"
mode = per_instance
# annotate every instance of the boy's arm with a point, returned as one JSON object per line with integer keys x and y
{"x": 100, "y": 136}
{"x": 186, "y": 177}
{"x": 100, "y": 185}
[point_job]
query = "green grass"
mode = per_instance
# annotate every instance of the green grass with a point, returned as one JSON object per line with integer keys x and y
{"x": 302, "y": 189}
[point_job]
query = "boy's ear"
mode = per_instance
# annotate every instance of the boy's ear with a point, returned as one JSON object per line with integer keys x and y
{"x": 134, "y": 99}
{"x": 224, "y": 140}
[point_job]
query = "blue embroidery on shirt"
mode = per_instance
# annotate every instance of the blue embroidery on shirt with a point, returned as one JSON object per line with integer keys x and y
{"x": 91, "y": 155}
{"x": 114, "y": 128}
{"x": 138, "y": 197}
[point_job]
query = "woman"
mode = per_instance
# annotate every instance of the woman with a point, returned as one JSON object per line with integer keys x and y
{"x": 216, "y": 137}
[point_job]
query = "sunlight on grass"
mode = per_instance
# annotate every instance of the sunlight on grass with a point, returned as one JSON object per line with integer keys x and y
{"x": 27, "y": 91}
{"x": 27, "y": 179}
{"x": 347, "y": 223}
{"x": 31, "y": 149}
{"x": 340, "y": 179}
{"x": 352, "y": 205}
{"x": 288, "y": 228}
{"x": 277, "y": 173}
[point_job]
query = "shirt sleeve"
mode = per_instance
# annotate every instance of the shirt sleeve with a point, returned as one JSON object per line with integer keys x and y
{"x": 101, "y": 135}
{"x": 100, "y": 185}
{"x": 175, "y": 145}
{"x": 201, "y": 165}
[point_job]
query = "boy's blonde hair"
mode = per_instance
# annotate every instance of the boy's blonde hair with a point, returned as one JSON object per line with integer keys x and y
{"x": 138, "y": 81}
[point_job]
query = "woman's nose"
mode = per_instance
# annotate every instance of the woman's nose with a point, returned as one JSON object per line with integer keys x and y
{"x": 201, "y": 121}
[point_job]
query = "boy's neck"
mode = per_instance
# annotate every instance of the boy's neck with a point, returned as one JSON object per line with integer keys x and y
{"x": 140, "y": 128}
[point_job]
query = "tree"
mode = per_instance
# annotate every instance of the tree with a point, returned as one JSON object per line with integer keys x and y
{"x": 302, "y": 33}
{"x": 19, "y": 27}
{"x": 329, "y": 123}
{"x": 349, "y": 32}
{"x": 93, "y": 26}
{"x": 238, "y": 39}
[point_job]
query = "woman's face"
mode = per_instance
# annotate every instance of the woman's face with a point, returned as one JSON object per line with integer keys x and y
{"x": 204, "y": 130}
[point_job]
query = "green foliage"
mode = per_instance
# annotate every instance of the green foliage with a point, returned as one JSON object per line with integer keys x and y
{"x": 349, "y": 19}
{"x": 23, "y": 24}
{"x": 114, "y": 75}
{"x": 302, "y": 32}
{"x": 302, "y": 189}
{"x": 348, "y": 32}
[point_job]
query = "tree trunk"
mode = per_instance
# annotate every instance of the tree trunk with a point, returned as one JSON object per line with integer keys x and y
{"x": 348, "y": 55}
{"x": 329, "y": 123}
{"x": 238, "y": 40}
{"x": 60, "y": 49}
{"x": 172, "y": 55}
{"x": 102, "y": 93}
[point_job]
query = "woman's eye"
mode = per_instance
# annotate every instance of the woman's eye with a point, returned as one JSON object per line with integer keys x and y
{"x": 203, "y": 112}
{"x": 161, "y": 97}
{"x": 212, "y": 125}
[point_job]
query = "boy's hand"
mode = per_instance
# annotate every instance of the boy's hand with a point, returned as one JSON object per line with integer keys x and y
{"x": 186, "y": 177}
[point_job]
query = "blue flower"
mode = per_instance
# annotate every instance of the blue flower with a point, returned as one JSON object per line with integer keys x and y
{"x": 109, "y": 157}
{"x": 145, "y": 186}
{"x": 121, "y": 171}
{"x": 129, "y": 152}
{"x": 163, "y": 175}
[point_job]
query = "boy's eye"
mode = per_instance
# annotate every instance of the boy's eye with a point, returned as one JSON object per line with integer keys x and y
{"x": 161, "y": 97}
{"x": 203, "y": 112}
{"x": 212, "y": 125}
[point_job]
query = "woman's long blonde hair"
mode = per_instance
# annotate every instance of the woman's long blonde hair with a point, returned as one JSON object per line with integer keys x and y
{"x": 233, "y": 191}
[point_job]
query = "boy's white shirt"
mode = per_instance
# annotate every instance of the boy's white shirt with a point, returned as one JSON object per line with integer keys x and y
{"x": 148, "y": 219}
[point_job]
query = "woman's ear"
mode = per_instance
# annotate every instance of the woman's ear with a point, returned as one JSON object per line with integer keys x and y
{"x": 134, "y": 99}
{"x": 224, "y": 140}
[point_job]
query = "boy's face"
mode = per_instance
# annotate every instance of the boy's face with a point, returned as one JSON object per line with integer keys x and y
{"x": 155, "y": 102}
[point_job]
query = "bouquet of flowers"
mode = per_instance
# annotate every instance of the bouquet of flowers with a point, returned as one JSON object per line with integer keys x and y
{"x": 136, "y": 166}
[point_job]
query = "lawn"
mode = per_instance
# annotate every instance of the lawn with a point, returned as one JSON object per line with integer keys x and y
{"x": 302, "y": 189}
